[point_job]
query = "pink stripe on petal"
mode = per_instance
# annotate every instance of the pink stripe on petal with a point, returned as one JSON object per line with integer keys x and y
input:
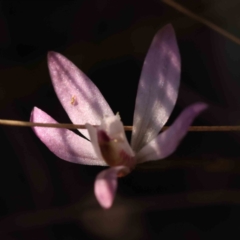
{"x": 64, "y": 143}
{"x": 80, "y": 98}
{"x": 106, "y": 184}
{"x": 157, "y": 89}
{"x": 166, "y": 143}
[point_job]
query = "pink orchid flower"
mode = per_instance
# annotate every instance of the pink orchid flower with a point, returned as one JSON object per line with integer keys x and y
{"x": 156, "y": 98}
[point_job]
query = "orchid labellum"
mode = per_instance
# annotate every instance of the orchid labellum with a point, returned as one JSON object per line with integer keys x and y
{"x": 156, "y": 98}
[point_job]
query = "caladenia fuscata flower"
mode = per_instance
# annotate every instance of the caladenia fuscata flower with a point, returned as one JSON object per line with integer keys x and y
{"x": 108, "y": 146}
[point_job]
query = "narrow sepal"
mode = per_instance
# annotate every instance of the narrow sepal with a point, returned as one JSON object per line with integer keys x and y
{"x": 167, "y": 142}
{"x": 106, "y": 184}
{"x": 157, "y": 89}
{"x": 64, "y": 143}
{"x": 79, "y": 96}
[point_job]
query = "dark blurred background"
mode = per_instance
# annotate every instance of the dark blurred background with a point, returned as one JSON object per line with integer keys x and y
{"x": 193, "y": 194}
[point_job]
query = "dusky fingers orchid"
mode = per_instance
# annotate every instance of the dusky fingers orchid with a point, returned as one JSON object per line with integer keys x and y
{"x": 156, "y": 98}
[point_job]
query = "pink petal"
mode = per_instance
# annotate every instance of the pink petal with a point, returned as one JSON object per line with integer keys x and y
{"x": 64, "y": 143}
{"x": 158, "y": 88}
{"x": 80, "y": 98}
{"x": 106, "y": 184}
{"x": 166, "y": 143}
{"x": 94, "y": 140}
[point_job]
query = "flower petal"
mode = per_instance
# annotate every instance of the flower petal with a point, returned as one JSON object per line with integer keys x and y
{"x": 166, "y": 143}
{"x": 110, "y": 143}
{"x": 115, "y": 130}
{"x": 94, "y": 140}
{"x": 106, "y": 184}
{"x": 64, "y": 143}
{"x": 80, "y": 98}
{"x": 157, "y": 89}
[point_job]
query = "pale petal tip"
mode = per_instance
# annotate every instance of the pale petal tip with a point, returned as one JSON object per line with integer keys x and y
{"x": 103, "y": 195}
{"x": 33, "y": 113}
{"x": 167, "y": 30}
{"x": 51, "y": 54}
{"x": 105, "y": 185}
{"x": 105, "y": 203}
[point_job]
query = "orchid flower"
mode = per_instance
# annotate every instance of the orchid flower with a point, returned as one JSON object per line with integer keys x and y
{"x": 156, "y": 98}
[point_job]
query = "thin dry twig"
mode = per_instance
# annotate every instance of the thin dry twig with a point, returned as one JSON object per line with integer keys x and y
{"x": 127, "y": 128}
{"x": 206, "y": 22}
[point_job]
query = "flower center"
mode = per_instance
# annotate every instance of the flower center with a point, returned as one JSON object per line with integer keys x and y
{"x": 115, "y": 151}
